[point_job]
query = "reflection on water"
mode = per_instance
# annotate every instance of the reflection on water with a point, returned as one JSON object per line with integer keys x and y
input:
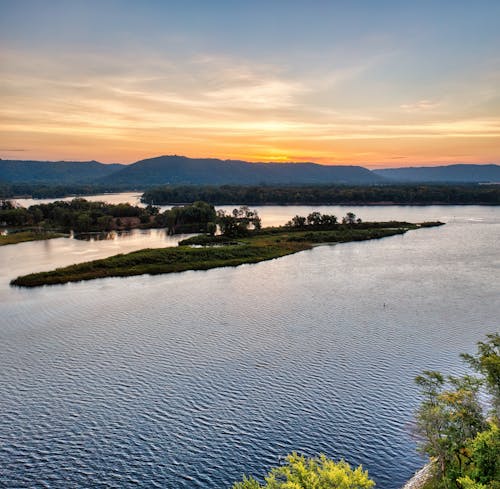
{"x": 100, "y": 236}
{"x": 132, "y": 198}
{"x": 189, "y": 380}
{"x": 114, "y": 235}
{"x": 38, "y": 256}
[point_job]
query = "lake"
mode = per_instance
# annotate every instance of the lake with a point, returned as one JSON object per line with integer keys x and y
{"x": 190, "y": 380}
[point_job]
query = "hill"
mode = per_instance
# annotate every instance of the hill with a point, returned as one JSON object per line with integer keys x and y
{"x": 181, "y": 170}
{"x": 54, "y": 172}
{"x": 444, "y": 174}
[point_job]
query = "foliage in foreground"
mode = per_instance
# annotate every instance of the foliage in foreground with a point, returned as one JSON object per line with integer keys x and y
{"x": 300, "y": 472}
{"x": 456, "y": 434}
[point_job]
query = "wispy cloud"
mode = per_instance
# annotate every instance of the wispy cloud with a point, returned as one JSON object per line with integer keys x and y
{"x": 125, "y": 109}
{"x": 420, "y": 105}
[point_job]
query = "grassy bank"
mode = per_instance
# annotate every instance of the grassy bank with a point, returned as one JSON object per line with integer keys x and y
{"x": 251, "y": 249}
{"x": 22, "y": 236}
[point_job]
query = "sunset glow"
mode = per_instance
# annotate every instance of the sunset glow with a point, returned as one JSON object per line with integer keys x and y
{"x": 122, "y": 81}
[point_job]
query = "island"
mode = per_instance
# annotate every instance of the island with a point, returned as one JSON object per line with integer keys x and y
{"x": 82, "y": 218}
{"x": 241, "y": 241}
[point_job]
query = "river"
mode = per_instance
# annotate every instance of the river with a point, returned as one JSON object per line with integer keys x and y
{"x": 191, "y": 380}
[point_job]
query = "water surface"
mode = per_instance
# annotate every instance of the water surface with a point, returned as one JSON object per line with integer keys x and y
{"x": 190, "y": 380}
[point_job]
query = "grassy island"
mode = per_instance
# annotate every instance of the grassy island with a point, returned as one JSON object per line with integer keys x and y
{"x": 22, "y": 236}
{"x": 204, "y": 252}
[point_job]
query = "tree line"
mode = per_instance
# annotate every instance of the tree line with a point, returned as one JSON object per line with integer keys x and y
{"x": 80, "y": 215}
{"x": 57, "y": 191}
{"x": 326, "y": 194}
{"x": 265, "y": 194}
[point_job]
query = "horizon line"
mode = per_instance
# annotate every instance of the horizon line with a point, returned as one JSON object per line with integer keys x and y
{"x": 371, "y": 166}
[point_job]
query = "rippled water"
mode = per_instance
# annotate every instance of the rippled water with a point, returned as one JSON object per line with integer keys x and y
{"x": 190, "y": 380}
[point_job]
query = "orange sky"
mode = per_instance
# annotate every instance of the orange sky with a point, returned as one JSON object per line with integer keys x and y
{"x": 78, "y": 87}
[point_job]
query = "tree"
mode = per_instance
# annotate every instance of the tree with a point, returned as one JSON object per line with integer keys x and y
{"x": 314, "y": 218}
{"x": 430, "y": 418}
{"x": 211, "y": 228}
{"x": 487, "y": 363}
{"x": 104, "y": 222}
{"x": 188, "y": 218}
{"x": 349, "y": 218}
{"x": 300, "y": 472}
{"x": 453, "y": 428}
{"x": 329, "y": 220}
{"x": 297, "y": 222}
{"x": 448, "y": 418}
{"x": 484, "y": 453}
{"x": 239, "y": 222}
{"x": 152, "y": 210}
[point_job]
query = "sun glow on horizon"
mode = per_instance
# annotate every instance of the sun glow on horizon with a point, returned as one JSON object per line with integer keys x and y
{"x": 380, "y": 99}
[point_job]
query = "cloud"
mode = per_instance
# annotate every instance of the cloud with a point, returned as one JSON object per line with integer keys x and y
{"x": 420, "y": 106}
{"x": 214, "y": 105}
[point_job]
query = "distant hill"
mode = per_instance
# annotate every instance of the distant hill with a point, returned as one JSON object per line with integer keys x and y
{"x": 181, "y": 170}
{"x": 54, "y": 172}
{"x": 444, "y": 174}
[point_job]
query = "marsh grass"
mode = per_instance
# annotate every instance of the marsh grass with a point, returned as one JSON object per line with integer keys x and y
{"x": 254, "y": 248}
{"x": 22, "y": 236}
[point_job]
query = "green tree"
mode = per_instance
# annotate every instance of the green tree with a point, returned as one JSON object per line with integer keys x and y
{"x": 431, "y": 419}
{"x": 300, "y": 472}
{"x": 487, "y": 363}
{"x": 314, "y": 218}
{"x": 484, "y": 453}
{"x": 349, "y": 218}
{"x": 104, "y": 223}
{"x": 83, "y": 222}
{"x": 453, "y": 428}
{"x": 297, "y": 222}
{"x": 239, "y": 222}
{"x": 447, "y": 419}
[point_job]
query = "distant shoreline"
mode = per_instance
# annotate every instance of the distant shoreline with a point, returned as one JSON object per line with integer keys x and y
{"x": 318, "y": 194}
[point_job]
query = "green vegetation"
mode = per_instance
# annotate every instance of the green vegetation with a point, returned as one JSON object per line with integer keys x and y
{"x": 239, "y": 245}
{"x": 463, "y": 443}
{"x": 22, "y": 236}
{"x": 165, "y": 260}
{"x": 82, "y": 216}
{"x": 57, "y": 191}
{"x": 424, "y": 194}
{"x": 326, "y": 194}
{"x": 239, "y": 223}
{"x": 78, "y": 215}
{"x": 300, "y": 472}
{"x": 198, "y": 217}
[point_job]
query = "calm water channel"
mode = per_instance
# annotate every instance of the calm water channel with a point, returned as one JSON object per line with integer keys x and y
{"x": 191, "y": 380}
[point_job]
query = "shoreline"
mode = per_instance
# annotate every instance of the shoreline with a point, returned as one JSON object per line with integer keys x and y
{"x": 267, "y": 244}
{"x": 27, "y": 236}
{"x": 420, "y": 478}
{"x": 340, "y": 204}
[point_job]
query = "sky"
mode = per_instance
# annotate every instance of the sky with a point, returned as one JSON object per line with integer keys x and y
{"x": 376, "y": 83}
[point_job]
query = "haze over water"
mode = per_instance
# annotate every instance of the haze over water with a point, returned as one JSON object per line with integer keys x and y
{"x": 190, "y": 380}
